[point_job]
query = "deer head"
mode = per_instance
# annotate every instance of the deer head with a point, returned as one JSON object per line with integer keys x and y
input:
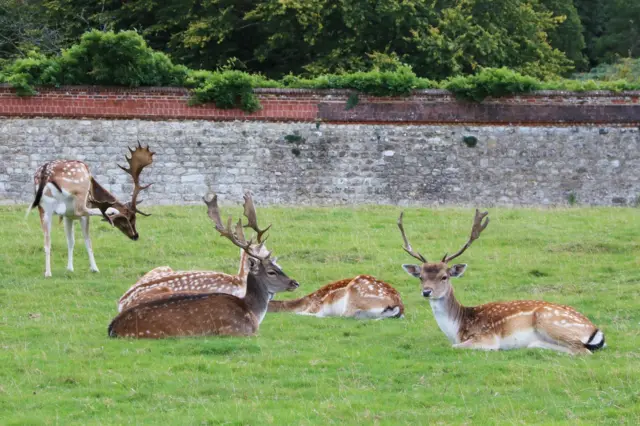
{"x": 435, "y": 276}
{"x": 125, "y": 218}
{"x": 261, "y": 265}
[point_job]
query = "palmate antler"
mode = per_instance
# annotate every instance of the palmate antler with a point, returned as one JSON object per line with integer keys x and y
{"x": 478, "y": 227}
{"x": 140, "y": 158}
{"x": 250, "y": 213}
{"x": 235, "y": 236}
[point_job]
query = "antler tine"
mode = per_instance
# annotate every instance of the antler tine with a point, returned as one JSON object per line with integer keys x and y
{"x": 407, "y": 247}
{"x": 252, "y": 220}
{"x": 478, "y": 227}
{"x": 140, "y": 158}
{"x": 236, "y": 237}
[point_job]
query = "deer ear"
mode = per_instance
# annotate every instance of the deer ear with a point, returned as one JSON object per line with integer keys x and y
{"x": 253, "y": 264}
{"x": 456, "y": 271}
{"x": 413, "y": 270}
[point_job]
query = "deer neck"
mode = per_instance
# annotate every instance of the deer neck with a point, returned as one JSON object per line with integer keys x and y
{"x": 449, "y": 315}
{"x": 98, "y": 192}
{"x": 243, "y": 272}
{"x": 257, "y": 297}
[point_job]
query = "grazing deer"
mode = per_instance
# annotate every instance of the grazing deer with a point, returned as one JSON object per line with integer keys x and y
{"x": 363, "y": 297}
{"x": 67, "y": 189}
{"x": 498, "y": 325}
{"x": 188, "y": 314}
{"x": 162, "y": 281}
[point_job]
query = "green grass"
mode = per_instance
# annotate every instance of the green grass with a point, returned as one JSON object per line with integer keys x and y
{"x": 57, "y": 365}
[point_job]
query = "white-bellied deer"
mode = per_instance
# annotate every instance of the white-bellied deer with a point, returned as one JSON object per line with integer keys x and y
{"x": 188, "y": 314}
{"x": 363, "y": 297}
{"x": 162, "y": 281}
{"x": 498, "y": 325}
{"x": 67, "y": 189}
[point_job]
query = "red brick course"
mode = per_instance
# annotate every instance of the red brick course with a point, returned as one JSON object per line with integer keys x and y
{"x": 423, "y": 107}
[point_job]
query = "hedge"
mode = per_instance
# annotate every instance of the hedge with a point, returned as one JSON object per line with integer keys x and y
{"x": 124, "y": 59}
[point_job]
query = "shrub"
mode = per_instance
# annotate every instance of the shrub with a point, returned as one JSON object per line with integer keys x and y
{"x": 227, "y": 89}
{"x": 494, "y": 82}
{"x": 400, "y": 82}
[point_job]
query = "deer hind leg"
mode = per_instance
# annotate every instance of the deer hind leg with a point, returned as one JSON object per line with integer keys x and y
{"x": 84, "y": 223}
{"x": 561, "y": 337}
{"x": 68, "y": 230}
{"x": 45, "y": 222}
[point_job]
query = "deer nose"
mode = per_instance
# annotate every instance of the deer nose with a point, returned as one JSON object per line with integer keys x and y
{"x": 135, "y": 237}
{"x": 295, "y": 284}
{"x": 426, "y": 293}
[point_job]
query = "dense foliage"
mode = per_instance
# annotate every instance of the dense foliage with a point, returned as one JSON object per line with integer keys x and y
{"x": 124, "y": 59}
{"x": 439, "y": 39}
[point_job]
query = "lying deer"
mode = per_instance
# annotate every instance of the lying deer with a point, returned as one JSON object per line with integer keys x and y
{"x": 362, "y": 297}
{"x": 188, "y": 314}
{"x": 162, "y": 281}
{"x": 498, "y": 325}
{"x": 67, "y": 189}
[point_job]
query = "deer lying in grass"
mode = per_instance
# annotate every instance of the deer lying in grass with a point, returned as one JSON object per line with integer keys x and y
{"x": 363, "y": 297}
{"x": 188, "y": 314}
{"x": 67, "y": 189}
{"x": 163, "y": 281}
{"x": 498, "y": 325}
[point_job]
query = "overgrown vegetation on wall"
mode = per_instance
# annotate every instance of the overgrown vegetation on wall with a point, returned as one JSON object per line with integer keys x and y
{"x": 125, "y": 59}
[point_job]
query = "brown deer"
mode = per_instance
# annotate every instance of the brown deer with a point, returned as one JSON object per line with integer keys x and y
{"x": 162, "y": 281}
{"x": 67, "y": 189}
{"x": 189, "y": 314}
{"x": 498, "y": 325}
{"x": 362, "y": 297}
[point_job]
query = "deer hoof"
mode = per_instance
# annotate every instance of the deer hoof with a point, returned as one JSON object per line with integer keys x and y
{"x": 47, "y": 274}
{"x": 96, "y": 270}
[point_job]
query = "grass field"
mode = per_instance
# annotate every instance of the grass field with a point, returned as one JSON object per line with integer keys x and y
{"x": 57, "y": 365}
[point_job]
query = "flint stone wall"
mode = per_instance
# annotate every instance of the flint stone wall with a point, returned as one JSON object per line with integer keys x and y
{"x": 325, "y": 164}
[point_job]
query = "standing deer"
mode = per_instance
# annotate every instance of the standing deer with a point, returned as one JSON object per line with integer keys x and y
{"x": 498, "y": 325}
{"x": 163, "y": 281}
{"x": 363, "y": 297}
{"x": 67, "y": 189}
{"x": 189, "y": 314}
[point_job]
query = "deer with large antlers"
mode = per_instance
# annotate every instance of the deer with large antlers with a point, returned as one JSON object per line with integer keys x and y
{"x": 192, "y": 314}
{"x": 498, "y": 325}
{"x": 67, "y": 189}
{"x": 362, "y": 297}
{"x": 163, "y": 281}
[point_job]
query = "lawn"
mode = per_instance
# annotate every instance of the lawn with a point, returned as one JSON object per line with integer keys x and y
{"x": 57, "y": 365}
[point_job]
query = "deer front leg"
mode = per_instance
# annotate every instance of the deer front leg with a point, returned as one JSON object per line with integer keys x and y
{"x": 84, "y": 223}
{"x": 485, "y": 343}
{"x": 45, "y": 222}
{"x": 71, "y": 241}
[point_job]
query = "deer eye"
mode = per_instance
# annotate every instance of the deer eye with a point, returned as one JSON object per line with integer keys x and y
{"x": 271, "y": 274}
{"x": 444, "y": 278}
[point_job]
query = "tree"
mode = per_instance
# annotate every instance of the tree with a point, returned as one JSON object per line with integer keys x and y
{"x": 621, "y": 36}
{"x": 568, "y": 35}
{"x": 23, "y": 28}
{"x": 473, "y": 34}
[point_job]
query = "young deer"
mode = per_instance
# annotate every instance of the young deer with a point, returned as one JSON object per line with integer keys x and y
{"x": 362, "y": 297}
{"x": 189, "y": 314}
{"x": 162, "y": 281}
{"x": 67, "y": 189}
{"x": 499, "y": 325}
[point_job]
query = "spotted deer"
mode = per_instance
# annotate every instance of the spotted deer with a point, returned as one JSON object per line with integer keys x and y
{"x": 67, "y": 189}
{"x": 193, "y": 314}
{"x": 163, "y": 281}
{"x": 498, "y": 325}
{"x": 363, "y": 297}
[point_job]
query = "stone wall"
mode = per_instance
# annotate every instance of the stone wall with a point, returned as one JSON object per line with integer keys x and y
{"x": 317, "y": 163}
